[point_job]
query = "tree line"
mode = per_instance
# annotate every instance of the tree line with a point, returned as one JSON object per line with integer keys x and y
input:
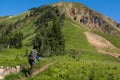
{"x": 48, "y": 40}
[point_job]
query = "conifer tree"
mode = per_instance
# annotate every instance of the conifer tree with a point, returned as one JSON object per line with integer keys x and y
{"x": 49, "y": 38}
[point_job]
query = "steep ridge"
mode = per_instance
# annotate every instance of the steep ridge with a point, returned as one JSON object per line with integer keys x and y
{"x": 90, "y": 18}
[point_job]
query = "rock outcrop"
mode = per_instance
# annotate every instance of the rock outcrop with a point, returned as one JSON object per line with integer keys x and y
{"x": 90, "y": 18}
{"x": 8, "y": 70}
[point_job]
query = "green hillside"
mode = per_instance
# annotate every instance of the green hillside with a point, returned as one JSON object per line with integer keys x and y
{"x": 80, "y": 61}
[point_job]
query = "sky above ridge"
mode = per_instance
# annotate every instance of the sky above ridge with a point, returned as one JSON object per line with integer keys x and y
{"x": 110, "y": 8}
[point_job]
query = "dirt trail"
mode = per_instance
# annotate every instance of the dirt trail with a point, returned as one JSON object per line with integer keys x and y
{"x": 101, "y": 44}
{"x": 42, "y": 69}
{"x": 39, "y": 70}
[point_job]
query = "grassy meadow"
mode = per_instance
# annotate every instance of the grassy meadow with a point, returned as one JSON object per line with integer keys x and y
{"x": 81, "y": 60}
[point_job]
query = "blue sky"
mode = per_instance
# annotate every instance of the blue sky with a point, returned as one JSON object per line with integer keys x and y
{"x": 109, "y": 8}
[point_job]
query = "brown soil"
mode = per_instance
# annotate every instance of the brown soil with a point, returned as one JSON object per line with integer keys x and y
{"x": 42, "y": 69}
{"x": 39, "y": 70}
{"x": 101, "y": 44}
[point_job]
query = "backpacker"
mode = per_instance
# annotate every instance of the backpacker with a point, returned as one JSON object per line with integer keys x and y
{"x": 32, "y": 54}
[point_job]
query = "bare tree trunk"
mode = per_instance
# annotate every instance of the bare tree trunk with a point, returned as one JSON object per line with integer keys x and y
{"x": 8, "y": 46}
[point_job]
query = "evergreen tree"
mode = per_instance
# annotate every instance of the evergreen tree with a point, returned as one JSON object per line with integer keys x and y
{"x": 16, "y": 41}
{"x": 4, "y": 39}
{"x": 49, "y": 38}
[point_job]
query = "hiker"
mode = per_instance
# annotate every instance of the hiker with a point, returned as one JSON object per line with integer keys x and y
{"x": 31, "y": 58}
{"x": 118, "y": 57}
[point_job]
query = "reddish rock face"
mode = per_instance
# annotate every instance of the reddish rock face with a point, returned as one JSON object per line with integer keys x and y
{"x": 90, "y": 18}
{"x": 93, "y": 20}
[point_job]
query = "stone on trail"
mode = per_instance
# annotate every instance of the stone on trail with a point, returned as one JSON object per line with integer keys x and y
{"x": 18, "y": 68}
{"x": 2, "y": 70}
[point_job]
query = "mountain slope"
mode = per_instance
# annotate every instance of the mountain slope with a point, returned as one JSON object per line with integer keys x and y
{"x": 81, "y": 60}
{"x": 26, "y": 23}
{"x": 77, "y": 12}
